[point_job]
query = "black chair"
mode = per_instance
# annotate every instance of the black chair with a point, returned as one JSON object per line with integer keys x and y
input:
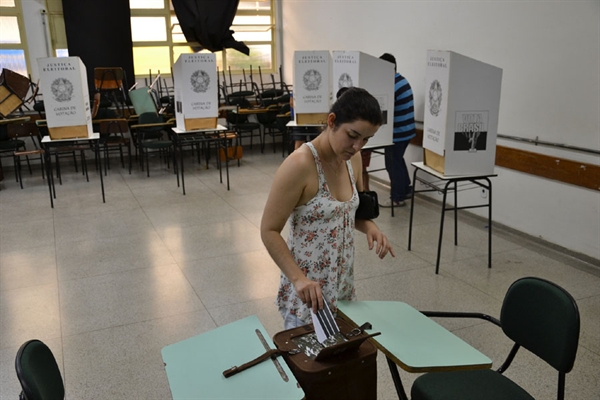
{"x": 151, "y": 135}
{"x": 537, "y": 315}
{"x": 269, "y": 124}
{"x": 10, "y": 143}
{"x": 38, "y": 372}
{"x": 31, "y": 131}
{"x": 243, "y": 126}
{"x": 112, "y": 139}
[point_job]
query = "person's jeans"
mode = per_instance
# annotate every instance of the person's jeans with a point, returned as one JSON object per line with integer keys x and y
{"x": 397, "y": 170}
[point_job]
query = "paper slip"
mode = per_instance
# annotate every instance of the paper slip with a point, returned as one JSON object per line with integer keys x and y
{"x": 324, "y": 323}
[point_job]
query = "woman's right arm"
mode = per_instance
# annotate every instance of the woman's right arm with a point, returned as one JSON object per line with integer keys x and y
{"x": 287, "y": 191}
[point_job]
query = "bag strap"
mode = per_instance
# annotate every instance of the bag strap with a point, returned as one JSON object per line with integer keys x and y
{"x": 272, "y": 353}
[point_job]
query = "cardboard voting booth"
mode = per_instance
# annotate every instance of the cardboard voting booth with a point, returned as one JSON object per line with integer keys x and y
{"x": 196, "y": 91}
{"x": 357, "y": 69}
{"x": 462, "y": 102}
{"x": 312, "y": 86}
{"x": 63, "y": 81}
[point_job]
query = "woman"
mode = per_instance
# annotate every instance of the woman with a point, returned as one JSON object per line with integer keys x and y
{"x": 316, "y": 187}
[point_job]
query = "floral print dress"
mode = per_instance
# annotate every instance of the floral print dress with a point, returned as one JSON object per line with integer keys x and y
{"x": 321, "y": 241}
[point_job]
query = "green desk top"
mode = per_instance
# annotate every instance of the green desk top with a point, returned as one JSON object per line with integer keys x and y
{"x": 195, "y": 366}
{"x": 413, "y": 341}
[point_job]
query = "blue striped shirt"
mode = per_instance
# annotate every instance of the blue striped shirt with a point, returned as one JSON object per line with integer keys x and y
{"x": 404, "y": 113}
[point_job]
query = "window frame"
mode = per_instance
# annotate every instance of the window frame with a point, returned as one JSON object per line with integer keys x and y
{"x": 17, "y": 11}
{"x": 167, "y": 12}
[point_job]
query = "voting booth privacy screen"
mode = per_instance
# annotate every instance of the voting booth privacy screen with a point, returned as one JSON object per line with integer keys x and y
{"x": 63, "y": 81}
{"x": 196, "y": 91}
{"x": 462, "y": 102}
{"x": 357, "y": 69}
{"x": 312, "y": 86}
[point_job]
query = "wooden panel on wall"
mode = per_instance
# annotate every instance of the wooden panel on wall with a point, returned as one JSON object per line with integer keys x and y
{"x": 559, "y": 169}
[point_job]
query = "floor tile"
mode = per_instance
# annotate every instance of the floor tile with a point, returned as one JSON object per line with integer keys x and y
{"x": 107, "y": 255}
{"x": 26, "y": 235}
{"x": 590, "y": 321}
{"x": 256, "y": 276}
{"x": 211, "y": 240}
{"x": 123, "y": 298}
{"x": 27, "y": 267}
{"x": 29, "y": 313}
{"x": 205, "y": 211}
{"x": 99, "y": 226}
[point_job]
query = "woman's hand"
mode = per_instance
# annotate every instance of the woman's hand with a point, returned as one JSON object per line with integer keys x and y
{"x": 310, "y": 293}
{"x": 383, "y": 245}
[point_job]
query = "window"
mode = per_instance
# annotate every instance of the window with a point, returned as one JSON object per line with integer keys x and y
{"x": 13, "y": 47}
{"x": 158, "y": 40}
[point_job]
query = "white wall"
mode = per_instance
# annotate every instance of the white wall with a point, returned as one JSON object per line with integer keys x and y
{"x": 34, "y": 30}
{"x": 550, "y": 55}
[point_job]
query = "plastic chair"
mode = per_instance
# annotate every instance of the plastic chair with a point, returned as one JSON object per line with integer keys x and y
{"x": 38, "y": 372}
{"x": 112, "y": 138}
{"x": 242, "y": 125}
{"x": 26, "y": 130}
{"x": 149, "y": 136}
{"x": 537, "y": 315}
{"x": 270, "y": 125}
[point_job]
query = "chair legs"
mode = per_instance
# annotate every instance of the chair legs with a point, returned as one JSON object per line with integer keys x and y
{"x": 251, "y": 135}
{"x": 145, "y": 155}
{"x": 84, "y": 170}
{"x": 18, "y": 168}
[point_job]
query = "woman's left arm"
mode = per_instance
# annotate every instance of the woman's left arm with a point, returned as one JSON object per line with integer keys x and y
{"x": 367, "y": 226}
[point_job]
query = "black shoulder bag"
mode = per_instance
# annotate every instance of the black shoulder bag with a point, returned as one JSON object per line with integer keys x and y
{"x": 368, "y": 207}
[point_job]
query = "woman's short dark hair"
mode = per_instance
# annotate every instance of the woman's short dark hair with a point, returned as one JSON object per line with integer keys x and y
{"x": 356, "y": 104}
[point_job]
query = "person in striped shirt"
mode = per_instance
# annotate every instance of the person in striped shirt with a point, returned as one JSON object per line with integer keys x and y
{"x": 404, "y": 130}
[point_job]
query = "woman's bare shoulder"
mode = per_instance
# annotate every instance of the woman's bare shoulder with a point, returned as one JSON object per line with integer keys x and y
{"x": 300, "y": 161}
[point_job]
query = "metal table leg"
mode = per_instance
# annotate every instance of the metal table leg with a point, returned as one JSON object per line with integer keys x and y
{"x": 396, "y": 378}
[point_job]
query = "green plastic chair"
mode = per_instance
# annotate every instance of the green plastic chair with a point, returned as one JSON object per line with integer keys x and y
{"x": 38, "y": 372}
{"x": 537, "y": 315}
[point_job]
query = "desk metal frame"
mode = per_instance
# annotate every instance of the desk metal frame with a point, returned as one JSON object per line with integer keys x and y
{"x": 451, "y": 183}
{"x": 214, "y": 135}
{"x": 47, "y": 142}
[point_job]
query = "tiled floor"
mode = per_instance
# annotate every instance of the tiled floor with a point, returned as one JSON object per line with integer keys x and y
{"x": 107, "y": 286}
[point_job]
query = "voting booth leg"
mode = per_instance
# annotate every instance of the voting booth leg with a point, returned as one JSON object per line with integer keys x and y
{"x": 48, "y": 166}
{"x": 412, "y": 207}
{"x": 455, "y": 214}
{"x": 226, "y": 163}
{"x": 489, "y": 222}
{"x": 99, "y": 170}
{"x": 439, "y": 249}
{"x": 396, "y": 378}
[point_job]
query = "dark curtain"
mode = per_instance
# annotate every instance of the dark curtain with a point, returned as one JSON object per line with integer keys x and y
{"x": 207, "y": 22}
{"x": 99, "y": 32}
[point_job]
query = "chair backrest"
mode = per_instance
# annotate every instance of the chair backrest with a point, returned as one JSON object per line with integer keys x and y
{"x": 22, "y": 129}
{"x": 38, "y": 372}
{"x": 114, "y": 126}
{"x": 543, "y": 318}
{"x": 25, "y": 130}
{"x": 149, "y": 118}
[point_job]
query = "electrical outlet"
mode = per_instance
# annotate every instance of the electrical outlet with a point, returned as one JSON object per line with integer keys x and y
{"x": 483, "y": 194}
